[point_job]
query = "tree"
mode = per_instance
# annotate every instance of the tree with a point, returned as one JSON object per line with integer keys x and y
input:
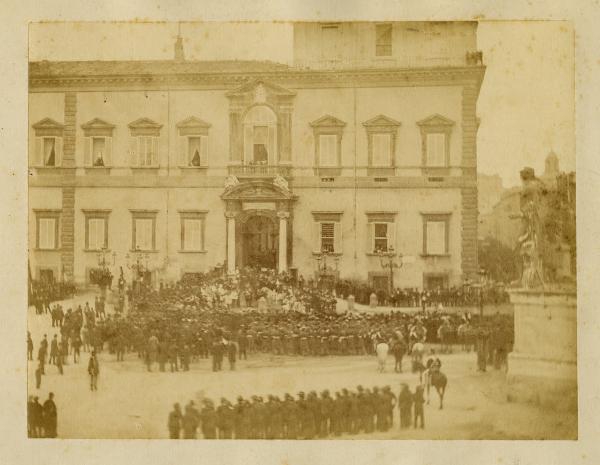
{"x": 499, "y": 261}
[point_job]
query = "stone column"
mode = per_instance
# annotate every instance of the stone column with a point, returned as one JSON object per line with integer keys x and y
{"x": 230, "y": 242}
{"x": 283, "y": 218}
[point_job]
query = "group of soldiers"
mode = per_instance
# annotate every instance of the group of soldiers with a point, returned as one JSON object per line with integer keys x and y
{"x": 43, "y": 293}
{"x": 308, "y": 416}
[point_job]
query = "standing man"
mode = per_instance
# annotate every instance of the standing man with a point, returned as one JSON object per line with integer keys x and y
{"x": 231, "y": 354}
{"x": 174, "y": 423}
{"x": 190, "y": 421}
{"x": 405, "y": 401}
{"x": 50, "y": 417}
{"x": 419, "y": 400}
{"x": 54, "y": 353}
{"x": 29, "y": 346}
{"x": 94, "y": 371}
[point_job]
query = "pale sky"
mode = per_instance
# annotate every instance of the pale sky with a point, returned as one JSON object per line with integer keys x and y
{"x": 526, "y": 103}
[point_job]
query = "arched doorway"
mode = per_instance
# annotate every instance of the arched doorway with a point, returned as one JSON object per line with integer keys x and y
{"x": 260, "y": 237}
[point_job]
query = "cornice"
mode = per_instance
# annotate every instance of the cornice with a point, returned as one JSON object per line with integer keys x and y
{"x": 292, "y": 78}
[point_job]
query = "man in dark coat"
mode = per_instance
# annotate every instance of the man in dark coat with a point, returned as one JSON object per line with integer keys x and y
{"x": 29, "y": 346}
{"x": 54, "y": 352}
{"x": 419, "y": 400}
{"x": 225, "y": 419}
{"x": 217, "y": 355}
{"x": 37, "y": 417}
{"x": 174, "y": 422}
{"x": 231, "y": 354}
{"x": 190, "y": 421}
{"x": 93, "y": 371}
{"x": 50, "y": 417}
{"x": 208, "y": 420}
{"x": 405, "y": 402}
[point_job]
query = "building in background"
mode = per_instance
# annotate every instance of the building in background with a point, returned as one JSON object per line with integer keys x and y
{"x": 366, "y": 143}
{"x": 489, "y": 191}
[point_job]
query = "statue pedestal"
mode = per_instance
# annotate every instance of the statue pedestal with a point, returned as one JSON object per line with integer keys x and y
{"x": 543, "y": 365}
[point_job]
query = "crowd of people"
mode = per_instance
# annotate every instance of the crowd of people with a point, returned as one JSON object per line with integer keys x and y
{"x": 42, "y": 293}
{"x": 307, "y": 416}
{"x": 463, "y": 296}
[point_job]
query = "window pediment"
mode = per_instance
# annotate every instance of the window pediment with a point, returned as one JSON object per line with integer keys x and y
{"x": 97, "y": 127}
{"x": 193, "y": 126}
{"x": 259, "y": 90}
{"x": 381, "y": 123}
{"x": 328, "y": 122}
{"x": 257, "y": 190}
{"x": 435, "y": 122}
{"x": 144, "y": 127}
{"x": 48, "y": 127}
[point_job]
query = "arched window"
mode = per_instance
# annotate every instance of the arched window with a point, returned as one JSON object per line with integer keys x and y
{"x": 260, "y": 136}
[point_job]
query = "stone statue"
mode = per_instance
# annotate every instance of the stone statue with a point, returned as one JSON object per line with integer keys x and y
{"x": 280, "y": 182}
{"x": 547, "y": 233}
{"x": 231, "y": 181}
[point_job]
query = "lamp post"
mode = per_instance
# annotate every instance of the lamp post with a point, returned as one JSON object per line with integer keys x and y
{"x": 105, "y": 278}
{"x": 322, "y": 268}
{"x": 482, "y": 273}
{"x": 136, "y": 262}
{"x": 101, "y": 256}
{"x": 386, "y": 259}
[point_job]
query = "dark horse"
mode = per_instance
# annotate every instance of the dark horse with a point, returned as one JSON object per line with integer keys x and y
{"x": 437, "y": 379}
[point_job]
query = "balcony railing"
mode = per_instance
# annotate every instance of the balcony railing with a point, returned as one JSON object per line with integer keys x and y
{"x": 260, "y": 170}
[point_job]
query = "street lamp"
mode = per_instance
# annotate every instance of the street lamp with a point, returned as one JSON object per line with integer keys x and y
{"x": 386, "y": 259}
{"x": 136, "y": 261}
{"x": 322, "y": 268}
{"x": 101, "y": 256}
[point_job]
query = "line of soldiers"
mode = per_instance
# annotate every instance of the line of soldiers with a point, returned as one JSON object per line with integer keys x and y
{"x": 309, "y": 416}
{"x": 41, "y": 419}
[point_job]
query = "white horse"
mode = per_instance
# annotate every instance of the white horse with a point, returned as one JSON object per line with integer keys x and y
{"x": 382, "y": 350}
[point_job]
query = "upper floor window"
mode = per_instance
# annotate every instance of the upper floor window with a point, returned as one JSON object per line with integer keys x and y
{"x": 327, "y": 232}
{"x": 97, "y": 149}
{"x": 260, "y": 136}
{"x": 435, "y": 136}
{"x": 381, "y": 133}
{"x": 96, "y": 229}
{"x": 436, "y": 234}
{"x": 144, "y": 143}
{"x": 193, "y": 143}
{"x": 383, "y": 40}
{"x": 47, "y": 223}
{"x": 327, "y": 133}
{"x": 381, "y": 235}
{"x": 48, "y": 143}
{"x": 143, "y": 230}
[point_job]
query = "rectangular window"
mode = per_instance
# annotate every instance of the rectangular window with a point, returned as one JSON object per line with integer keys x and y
{"x": 260, "y": 139}
{"x": 192, "y": 234}
{"x": 383, "y": 40}
{"x": 96, "y": 239}
{"x": 328, "y": 150}
{"x": 99, "y": 151}
{"x": 327, "y": 237}
{"x": 194, "y": 151}
{"x": 330, "y": 42}
{"x": 382, "y": 149}
{"x": 147, "y": 151}
{"x": 144, "y": 232}
{"x": 49, "y": 151}
{"x": 436, "y": 149}
{"x": 436, "y": 237}
{"x": 380, "y": 237}
{"x": 47, "y": 233}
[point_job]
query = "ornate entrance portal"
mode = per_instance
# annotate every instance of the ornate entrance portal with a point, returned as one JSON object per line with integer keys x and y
{"x": 259, "y": 240}
{"x": 258, "y": 229}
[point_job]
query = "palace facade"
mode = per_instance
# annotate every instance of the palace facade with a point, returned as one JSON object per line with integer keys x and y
{"x": 364, "y": 142}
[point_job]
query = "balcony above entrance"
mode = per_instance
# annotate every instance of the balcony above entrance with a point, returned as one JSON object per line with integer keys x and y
{"x": 258, "y": 171}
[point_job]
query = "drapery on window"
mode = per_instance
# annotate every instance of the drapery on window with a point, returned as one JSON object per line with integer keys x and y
{"x": 49, "y": 151}
{"x": 260, "y": 136}
{"x": 98, "y": 151}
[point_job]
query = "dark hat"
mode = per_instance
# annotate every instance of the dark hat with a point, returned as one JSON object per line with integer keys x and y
{"x": 301, "y": 394}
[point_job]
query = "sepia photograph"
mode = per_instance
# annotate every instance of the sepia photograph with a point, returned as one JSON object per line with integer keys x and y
{"x": 326, "y": 230}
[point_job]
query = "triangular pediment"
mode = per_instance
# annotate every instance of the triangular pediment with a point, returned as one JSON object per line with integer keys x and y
{"x": 193, "y": 122}
{"x": 97, "y": 123}
{"x": 436, "y": 120}
{"x": 328, "y": 121}
{"x": 257, "y": 190}
{"x": 381, "y": 120}
{"x": 48, "y": 123}
{"x": 257, "y": 85}
{"x": 144, "y": 123}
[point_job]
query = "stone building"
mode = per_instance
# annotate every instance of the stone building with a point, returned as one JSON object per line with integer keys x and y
{"x": 365, "y": 141}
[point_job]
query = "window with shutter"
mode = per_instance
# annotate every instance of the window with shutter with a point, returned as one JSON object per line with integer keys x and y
{"x": 382, "y": 149}
{"x": 96, "y": 233}
{"x": 143, "y": 233}
{"x": 436, "y": 237}
{"x": 436, "y": 149}
{"x": 46, "y": 233}
{"x": 192, "y": 234}
{"x": 328, "y": 150}
{"x": 327, "y": 237}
